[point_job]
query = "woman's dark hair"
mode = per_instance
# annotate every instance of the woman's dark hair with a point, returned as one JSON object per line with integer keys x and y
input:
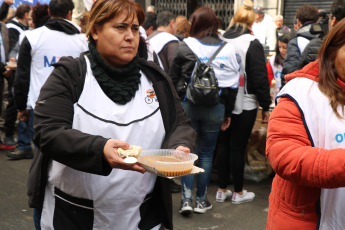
{"x": 22, "y": 10}
{"x": 285, "y": 38}
{"x": 103, "y": 11}
{"x": 328, "y": 75}
{"x": 40, "y": 14}
{"x": 204, "y": 22}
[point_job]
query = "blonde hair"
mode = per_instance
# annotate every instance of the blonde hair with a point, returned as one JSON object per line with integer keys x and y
{"x": 244, "y": 16}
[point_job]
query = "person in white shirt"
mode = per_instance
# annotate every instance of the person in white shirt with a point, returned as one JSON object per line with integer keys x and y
{"x": 264, "y": 29}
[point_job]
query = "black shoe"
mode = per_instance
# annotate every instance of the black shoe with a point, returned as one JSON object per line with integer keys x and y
{"x": 9, "y": 140}
{"x": 175, "y": 188}
{"x": 20, "y": 154}
{"x": 186, "y": 207}
{"x": 202, "y": 206}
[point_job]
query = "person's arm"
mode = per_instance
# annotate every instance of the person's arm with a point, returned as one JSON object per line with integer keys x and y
{"x": 22, "y": 76}
{"x": 181, "y": 68}
{"x": 167, "y": 54}
{"x": 13, "y": 36}
{"x": 291, "y": 155}
{"x": 4, "y": 9}
{"x": 54, "y": 135}
{"x": 257, "y": 74}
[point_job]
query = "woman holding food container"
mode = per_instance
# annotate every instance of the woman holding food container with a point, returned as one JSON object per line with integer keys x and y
{"x": 93, "y": 105}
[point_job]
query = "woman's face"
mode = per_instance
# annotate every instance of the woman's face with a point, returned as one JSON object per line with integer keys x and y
{"x": 339, "y": 63}
{"x": 282, "y": 48}
{"x": 117, "y": 40}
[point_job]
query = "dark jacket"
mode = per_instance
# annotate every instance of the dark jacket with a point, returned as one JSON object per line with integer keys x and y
{"x": 56, "y": 140}
{"x": 293, "y": 53}
{"x": 256, "y": 71}
{"x": 310, "y": 52}
{"x": 182, "y": 69}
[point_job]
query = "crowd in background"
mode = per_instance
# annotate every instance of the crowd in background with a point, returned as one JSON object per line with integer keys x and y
{"x": 253, "y": 61}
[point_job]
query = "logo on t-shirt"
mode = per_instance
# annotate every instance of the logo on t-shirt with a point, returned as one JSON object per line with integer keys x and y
{"x": 48, "y": 62}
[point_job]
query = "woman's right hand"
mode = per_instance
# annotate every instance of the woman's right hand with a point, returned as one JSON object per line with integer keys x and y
{"x": 114, "y": 160}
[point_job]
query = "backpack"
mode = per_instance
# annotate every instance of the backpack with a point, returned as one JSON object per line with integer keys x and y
{"x": 203, "y": 86}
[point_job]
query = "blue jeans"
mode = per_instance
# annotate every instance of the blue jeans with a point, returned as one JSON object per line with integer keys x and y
{"x": 37, "y": 218}
{"x": 207, "y": 122}
{"x": 25, "y": 133}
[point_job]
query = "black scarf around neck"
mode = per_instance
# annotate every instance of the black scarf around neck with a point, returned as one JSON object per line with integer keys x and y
{"x": 119, "y": 84}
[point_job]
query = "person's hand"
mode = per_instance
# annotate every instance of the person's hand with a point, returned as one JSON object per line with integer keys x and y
{"x": 9, "y": 2}
{"x": 24, "y": 115}
{"x": 7, "y": 73}
{"x": 265, "y": 116}
{"x": 183, "y": 149}
{"x": 225, "y": 124}
{"x": 114, "y": 160}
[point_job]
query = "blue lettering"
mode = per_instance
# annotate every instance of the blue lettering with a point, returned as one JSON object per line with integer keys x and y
{"x": 47, "y": 63}
{"x": 339, "y": 138}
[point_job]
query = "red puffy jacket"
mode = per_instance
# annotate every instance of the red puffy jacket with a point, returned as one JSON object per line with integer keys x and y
{"x": 301, "y": 170}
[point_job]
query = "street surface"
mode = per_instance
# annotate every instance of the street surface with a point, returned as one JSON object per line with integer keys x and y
{"x": 16, "y": 215}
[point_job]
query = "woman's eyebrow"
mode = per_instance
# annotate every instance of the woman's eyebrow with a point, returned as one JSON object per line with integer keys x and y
{"x": 126, "y": 24}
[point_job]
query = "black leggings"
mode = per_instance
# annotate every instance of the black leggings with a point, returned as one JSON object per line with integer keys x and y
{"x": 233, "y": 142}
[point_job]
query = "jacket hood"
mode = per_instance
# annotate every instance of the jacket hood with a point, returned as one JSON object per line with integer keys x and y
{"x": 235, "y": 31}
{"x": 310, "y": 71}
{"x": 63, "y": 25}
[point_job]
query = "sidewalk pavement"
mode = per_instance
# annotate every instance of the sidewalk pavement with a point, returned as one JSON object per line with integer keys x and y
{"x": 16, "y": 215}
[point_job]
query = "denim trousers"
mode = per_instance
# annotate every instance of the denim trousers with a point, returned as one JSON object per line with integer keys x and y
{"x": 37, "y": 218}
{"x": 25, "y": 133}
{"x": 206, "y": 120}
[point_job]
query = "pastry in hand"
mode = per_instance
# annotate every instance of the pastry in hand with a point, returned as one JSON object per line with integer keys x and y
{"x": 135, "y": 152}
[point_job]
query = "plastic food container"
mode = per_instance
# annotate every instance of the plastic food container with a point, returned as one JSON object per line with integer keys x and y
{"x": 169, "y": 162}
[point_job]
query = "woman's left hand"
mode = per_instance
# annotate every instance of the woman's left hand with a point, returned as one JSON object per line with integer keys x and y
{"x": 226, "y": 123}
{"x": 265, "y": 116}
{"x": 183, "y": 149}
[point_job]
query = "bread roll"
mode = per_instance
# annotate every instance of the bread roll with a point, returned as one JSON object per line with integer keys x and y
{"x": 135, "y": 152}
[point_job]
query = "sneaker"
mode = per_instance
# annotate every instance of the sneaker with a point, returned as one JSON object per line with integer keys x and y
{"x": 10, "y": 141}
{"x": 202, "y": 206}
{"x": 246, "y": 197}
{"x": 6, "y": 147}
{"x": 186, "y": 207}
{"x": 20, "y": 154}
{"x": 222, "y": 196}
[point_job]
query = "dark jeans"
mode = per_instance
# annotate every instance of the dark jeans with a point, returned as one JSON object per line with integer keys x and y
{"x": 232, "y": 146}
{"x": 207, "y": 122}
{"x": 26, "y": 133}
{"x": 37, "y": 218}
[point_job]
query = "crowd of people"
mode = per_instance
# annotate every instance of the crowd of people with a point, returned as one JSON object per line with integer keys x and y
{"x": 75, "y": 95}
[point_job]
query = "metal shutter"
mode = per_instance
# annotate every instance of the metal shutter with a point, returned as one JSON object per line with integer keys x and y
{"x": 291, "y": 7}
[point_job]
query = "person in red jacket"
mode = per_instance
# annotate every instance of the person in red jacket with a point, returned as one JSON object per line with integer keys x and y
{"x": 305, "y": 143}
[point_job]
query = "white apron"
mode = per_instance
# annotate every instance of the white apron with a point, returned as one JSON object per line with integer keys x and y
{"x": 118, "y": 196}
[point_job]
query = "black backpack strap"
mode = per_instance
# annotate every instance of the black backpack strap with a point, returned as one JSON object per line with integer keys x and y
{"x": 216, "y": 53}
